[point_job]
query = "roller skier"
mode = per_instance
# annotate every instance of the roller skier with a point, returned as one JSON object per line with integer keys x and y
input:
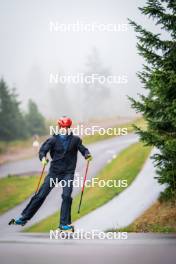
{"x": 63, "y": 149}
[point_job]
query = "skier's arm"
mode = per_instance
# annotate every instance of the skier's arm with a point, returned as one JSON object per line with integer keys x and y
{"x": 46, "y": 147}
{"x": 84, "y": 151}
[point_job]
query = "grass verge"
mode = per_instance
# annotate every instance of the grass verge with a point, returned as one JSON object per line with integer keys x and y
{"x": 14, "y": 190}
{"x": 14, "y": 145}
{"x": 125, "y": 167}
{"x": 140, "y": 122}
{"x": 159, "y": 218}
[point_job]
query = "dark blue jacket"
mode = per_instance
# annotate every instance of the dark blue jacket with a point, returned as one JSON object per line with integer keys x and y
{"x": 63, "y": 161}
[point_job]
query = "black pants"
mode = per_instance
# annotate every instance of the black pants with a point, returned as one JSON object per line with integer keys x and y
{"x": 38, "y": 199}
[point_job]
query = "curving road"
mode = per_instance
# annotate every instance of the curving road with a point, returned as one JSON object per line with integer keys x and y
{"x": 128, "y": 205}
{"x": 17, "y": 247}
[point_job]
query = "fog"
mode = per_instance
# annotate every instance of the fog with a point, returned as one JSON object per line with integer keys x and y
{"x": 30, "y": 52}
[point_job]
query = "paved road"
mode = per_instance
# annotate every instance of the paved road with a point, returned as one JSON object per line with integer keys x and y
{"x": 102, "y": 152}
{"x": 22, "y": 248}
{"x": 128, "y": 205}
{"x": 136, "y": 249}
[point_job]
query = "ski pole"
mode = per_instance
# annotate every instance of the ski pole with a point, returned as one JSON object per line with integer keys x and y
{"x": 85, "y": 177}
{"x": 41, "y": 175}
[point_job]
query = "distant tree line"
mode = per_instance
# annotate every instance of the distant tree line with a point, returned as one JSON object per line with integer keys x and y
{"x": 15, "y": 124}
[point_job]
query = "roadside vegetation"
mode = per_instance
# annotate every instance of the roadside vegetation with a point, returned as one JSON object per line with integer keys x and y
{"x": 14, "y": 190}
{"x": 17, "y": 125}
{"x": 129, "y": 126}
{"x": 159, "y": 218}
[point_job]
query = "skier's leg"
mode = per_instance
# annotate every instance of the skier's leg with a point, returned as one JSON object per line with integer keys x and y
{"x": 65, "y": 215}
{"x": 38, "y": 199}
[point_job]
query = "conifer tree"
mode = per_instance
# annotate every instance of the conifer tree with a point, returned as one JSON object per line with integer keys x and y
{"x": 12, "y": 123}
{"x": 159, "y": 78}
{"x": 35, "y": 120}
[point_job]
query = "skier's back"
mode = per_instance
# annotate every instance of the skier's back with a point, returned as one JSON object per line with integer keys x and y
{"x": 63, "y": 150}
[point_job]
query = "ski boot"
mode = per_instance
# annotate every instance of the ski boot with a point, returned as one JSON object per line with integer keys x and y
{"x": 18, "y": 221}
{"x": 66, "y": 231}
{"x": 66, "y": 228}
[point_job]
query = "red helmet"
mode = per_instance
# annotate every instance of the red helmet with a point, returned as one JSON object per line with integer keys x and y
{"x": 64, "y": 122}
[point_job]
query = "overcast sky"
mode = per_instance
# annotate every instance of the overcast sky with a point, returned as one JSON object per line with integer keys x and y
{"x": 29, "y": 51}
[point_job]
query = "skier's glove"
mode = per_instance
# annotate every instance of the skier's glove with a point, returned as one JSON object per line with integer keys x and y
{"x": 44, "y": 161}
{"x": 89, "y": 157}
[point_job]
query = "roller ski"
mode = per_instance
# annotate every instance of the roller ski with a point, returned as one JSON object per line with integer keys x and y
{"x": 66, "y": 231}
{"x": 18, "y": 221}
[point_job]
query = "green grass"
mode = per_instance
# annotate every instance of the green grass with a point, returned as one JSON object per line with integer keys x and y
{"x": 19, "y": 144}
{"x": 15, "y": 144}
{"x": 14, "y": 190}
{"x": 140, "y": 122}
{"x": 125, "y": 167}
